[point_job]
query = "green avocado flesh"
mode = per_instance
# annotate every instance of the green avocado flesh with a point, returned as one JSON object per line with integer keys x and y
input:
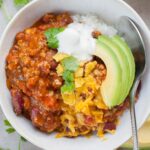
{"x": 124, "y": 64}
{"x": 120, "y": 65}
{"x": 129, "y": 56}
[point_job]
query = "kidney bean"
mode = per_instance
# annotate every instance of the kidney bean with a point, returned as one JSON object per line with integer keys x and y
{"x": 17, "y": 101}
{"x": 109, "y": 126}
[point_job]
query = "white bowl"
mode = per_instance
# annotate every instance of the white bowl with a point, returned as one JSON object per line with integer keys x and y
{"x": 110, "y": 10}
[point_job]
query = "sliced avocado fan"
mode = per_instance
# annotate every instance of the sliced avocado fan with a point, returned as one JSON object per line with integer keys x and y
{"x": 129, "y": 56}
{"x": 120, "y": 65}
{"x": 124, "y": 64}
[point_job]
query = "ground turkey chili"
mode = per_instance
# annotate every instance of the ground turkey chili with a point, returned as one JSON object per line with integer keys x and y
{"x": 35, "y": 85}
{"x": 31, "y": 74}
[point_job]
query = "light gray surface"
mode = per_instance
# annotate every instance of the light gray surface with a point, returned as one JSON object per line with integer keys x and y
{"x": 142, "y": 7}
{"x": 11, "y": 141}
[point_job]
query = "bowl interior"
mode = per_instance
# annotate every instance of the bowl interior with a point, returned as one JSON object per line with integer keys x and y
{"x": 109, "y": 10}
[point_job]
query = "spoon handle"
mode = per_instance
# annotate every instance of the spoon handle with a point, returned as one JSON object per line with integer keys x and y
{"x": 133, "y": 116}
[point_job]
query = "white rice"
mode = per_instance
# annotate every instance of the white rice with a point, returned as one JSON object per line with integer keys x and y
{"x": 96, "y": 23}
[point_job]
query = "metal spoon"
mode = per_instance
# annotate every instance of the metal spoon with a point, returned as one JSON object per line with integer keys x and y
{"x": 129, "y": 30}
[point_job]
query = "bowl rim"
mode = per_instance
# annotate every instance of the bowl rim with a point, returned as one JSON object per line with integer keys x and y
{"x": 20, "y": 131}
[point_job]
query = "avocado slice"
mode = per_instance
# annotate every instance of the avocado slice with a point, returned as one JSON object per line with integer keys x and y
{"x": 122, "y": 61}
{"x": 129, "y": 56}
{"x": 111, "y": 86}
{"x": 120, "y": 65}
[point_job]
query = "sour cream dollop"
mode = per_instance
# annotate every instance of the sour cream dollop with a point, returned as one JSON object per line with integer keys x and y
{"x": 77, "y": 40}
